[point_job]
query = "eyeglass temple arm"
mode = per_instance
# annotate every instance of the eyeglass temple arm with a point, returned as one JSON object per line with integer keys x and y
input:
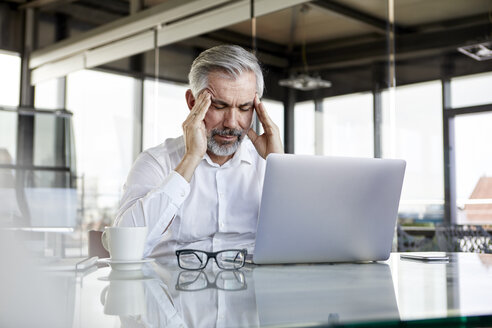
{"x": 245, "y": 251}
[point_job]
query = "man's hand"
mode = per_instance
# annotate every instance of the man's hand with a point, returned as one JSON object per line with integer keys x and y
{"x": 195, "y": 136}
{"x": 269, "y": 142}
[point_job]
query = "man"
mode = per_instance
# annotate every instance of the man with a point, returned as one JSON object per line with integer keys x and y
{"x": 203, "y": 189}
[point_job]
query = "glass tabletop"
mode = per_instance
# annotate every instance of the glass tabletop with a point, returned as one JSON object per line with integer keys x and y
{"x": 391, "y": 293}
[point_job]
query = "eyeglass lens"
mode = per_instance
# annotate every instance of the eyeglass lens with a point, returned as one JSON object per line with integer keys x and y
{"x": 192, "y": 260}
{"x": 230, "y": 260}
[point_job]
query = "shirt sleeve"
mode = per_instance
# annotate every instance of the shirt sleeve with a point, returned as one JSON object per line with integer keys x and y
{"x": 151, "y": 198}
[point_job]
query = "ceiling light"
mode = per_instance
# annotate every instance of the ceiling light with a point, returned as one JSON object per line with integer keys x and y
{"x": 480, "y": 51}
{"x": 305, "y": 82}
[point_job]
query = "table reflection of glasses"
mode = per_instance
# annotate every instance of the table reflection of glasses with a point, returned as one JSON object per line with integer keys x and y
{"x": 229, "y": 259}
{"x": 198, "y": 280}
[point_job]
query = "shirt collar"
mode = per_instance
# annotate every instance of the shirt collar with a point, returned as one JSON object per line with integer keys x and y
{"x": 242, "y": 154}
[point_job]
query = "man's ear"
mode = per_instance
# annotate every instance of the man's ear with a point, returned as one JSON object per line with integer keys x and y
{"x": 190, "y": 99}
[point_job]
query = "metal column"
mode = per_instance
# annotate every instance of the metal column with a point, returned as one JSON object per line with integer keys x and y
{"x": 137, "y": 64}
{"x": 377, "y": 122}
{"x": 449, "y": 156}
{"x": 289, "y": 103}
{"x": 319, "y": 136}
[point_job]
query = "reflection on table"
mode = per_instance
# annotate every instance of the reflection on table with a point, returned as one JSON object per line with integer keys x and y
{"x": 162, "y": 295}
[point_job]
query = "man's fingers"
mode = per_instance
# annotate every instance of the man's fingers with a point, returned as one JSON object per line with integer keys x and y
{"x": 262, "y": 114}
{"x": 200, "y": 101}
{"x": 252, "y": 135}
{"x": 265, "y": 120}
{"x": 200, "y": 108}
{"x": 203, "y": 108}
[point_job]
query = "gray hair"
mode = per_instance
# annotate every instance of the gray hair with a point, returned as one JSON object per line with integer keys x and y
{"x": 230, "y": 59}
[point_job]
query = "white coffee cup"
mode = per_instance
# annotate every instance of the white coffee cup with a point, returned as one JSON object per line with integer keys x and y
{"x": 124, "y": 243}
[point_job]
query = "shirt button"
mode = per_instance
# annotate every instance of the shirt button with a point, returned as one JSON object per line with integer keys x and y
{"x": 182, "y": 193}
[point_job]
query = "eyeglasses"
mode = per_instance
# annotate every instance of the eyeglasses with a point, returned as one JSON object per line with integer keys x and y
{"x": 229, "y": 259}
{"x": 230, "y": 280}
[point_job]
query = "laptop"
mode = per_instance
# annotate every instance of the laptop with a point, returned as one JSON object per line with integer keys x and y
{"x": 327, "y": 209}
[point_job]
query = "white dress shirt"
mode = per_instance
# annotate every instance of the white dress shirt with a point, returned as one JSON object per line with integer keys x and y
{"x": 217, "y": 210}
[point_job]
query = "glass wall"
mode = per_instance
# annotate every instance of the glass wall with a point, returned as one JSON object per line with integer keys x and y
{"x": 418, "y": 140}
{"x": 348, "y": 125}
{"x": 165, "y": 110}
{"x": 346, "y": 47}
{"x": 102, "y": 106}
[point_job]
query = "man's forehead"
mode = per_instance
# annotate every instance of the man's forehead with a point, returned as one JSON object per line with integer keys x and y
{"x": 226, "y": 90}
{"x": 220, "y": 101}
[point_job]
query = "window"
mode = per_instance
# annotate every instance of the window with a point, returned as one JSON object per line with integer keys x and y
{"x": 473, "y": 137}
{"x": 165, "y": 110}
{"x": 10, "y": 66}
{"x": 471, "y": 90}
{"x": 473, "y": 156}
{"x": 46, "y": 94}
{"x": 8, "y": 137}
{"x": 304, "y": 128}
{"x": 102, "y": 106}
{"x": 9, "y": 96}
{"x": 418, "y": 140}
{"x": 348, "y": 125}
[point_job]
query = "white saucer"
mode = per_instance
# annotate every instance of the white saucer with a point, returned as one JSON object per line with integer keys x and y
{"x": 125, "y": 265}
{"x": 125, "y": 275}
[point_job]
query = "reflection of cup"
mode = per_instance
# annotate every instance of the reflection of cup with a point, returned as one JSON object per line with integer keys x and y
{"x": 124, "y": 297}
{"x": 124, "y": 243}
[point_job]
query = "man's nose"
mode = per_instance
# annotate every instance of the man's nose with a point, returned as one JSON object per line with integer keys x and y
{"x": 230, "y": 119}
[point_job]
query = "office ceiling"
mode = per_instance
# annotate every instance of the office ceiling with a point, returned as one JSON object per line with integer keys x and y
{"x": 321, "y": 20}
{"x": 329, "y": 36}
{"x": 332, "y": 20}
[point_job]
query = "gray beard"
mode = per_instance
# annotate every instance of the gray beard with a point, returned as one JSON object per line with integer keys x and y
{"x": 225, "y": 149}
